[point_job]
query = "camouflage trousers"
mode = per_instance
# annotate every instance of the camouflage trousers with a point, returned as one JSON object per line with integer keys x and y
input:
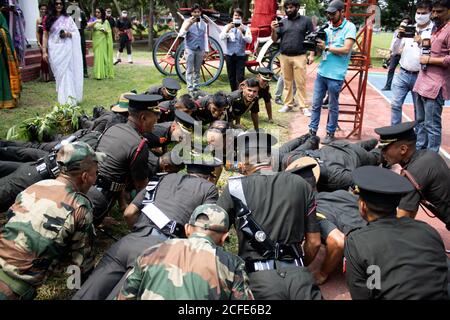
{"x": 6, "y": 293}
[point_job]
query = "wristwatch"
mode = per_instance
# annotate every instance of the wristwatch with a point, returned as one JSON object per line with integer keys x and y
{"x": 327, "y": 48}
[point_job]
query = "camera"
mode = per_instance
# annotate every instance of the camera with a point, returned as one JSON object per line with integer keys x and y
{"x": 237, "y": 23}
{"x": 197, "y": 19}
{"x": 280, "y": 24}
{"x": 310, "y": 42}
{"x": 410, "y": 31}
{"x": 62, "y": 34}
{"x": 426, "y": 51}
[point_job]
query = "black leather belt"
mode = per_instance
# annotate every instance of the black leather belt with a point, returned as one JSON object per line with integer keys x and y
{"x": 109, "y": 185}
{"x": 260, "y": 265}
{"x": 410, "y": 72}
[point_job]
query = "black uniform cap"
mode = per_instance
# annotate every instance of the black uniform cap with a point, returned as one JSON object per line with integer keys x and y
{"x": 265, "y": 73}
{"x": 398, "y": 132}
{"x": 258, "y": 140}
{"x": 203, "y": 163}
{"x": 185, "y": 121}
{"x": 381, "y": 187}
{"x": 171, "y": 85}
{"x": 142, "y": 102}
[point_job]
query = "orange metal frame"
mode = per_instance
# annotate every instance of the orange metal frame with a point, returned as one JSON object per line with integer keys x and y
{"x": 356, "y": 80}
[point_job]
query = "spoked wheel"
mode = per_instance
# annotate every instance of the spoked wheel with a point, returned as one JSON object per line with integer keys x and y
{"x": 211, "y": 67}
{"x": 275, "y": 65}
{"x": 252, "y": 65}
{"x": 164, "y": 60}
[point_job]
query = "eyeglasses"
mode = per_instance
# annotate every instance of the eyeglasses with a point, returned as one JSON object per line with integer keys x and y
{"x": 332, "y": 14}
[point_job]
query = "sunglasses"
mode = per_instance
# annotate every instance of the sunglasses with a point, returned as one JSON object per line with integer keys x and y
{"x": 58, "y": 4}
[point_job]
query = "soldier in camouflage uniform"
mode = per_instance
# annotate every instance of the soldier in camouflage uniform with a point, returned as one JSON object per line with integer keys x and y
{"x": 50, "y": 220}
{"x": 196, "y": 268}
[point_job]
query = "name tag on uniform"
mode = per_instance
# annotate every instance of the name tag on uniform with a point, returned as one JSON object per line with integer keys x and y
{"x": 158, "y": 217}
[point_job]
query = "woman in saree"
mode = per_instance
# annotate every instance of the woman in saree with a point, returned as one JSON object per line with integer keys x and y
{"x": 102, "y": 44}
{"x": 62, "y": 49}
{"x": 10, "y": 84}
{"x": 46, "y": 72}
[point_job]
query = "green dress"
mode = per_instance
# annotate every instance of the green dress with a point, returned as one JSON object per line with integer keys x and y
{"x": 103, "y": 50}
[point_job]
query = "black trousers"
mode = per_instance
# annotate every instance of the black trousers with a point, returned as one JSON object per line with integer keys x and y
{"x": 16, "y": 182}
{"x": 83, "y": 49}
{"x": 125, "y": 42}
{"x": 235, "y": 70}
{"x": 288, "y": 151}
{"x": 292, "y": 283}
{"x": 21, "y": 154}
{"x": 109, "y": 275}
{"x": 395, "y": 59}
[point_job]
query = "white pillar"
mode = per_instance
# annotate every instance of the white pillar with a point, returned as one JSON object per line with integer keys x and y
{"x": 30, "y": 10}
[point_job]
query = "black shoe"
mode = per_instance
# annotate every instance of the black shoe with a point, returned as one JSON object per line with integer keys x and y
{"x": 329, "y": 138}
{"x": 386, "y": 89}
{"x": 117, "y": 61}
{"x": 312, "y": 132}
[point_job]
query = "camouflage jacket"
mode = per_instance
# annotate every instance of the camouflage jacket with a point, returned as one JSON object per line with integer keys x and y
{"x": 190, "y": 269}
{"x": 48, "y": 222}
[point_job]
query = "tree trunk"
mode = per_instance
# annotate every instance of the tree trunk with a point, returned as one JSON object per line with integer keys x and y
{"x": 117, "y": 4}
{"x": 173, "y": 10}
{"x": 150, "y": 23}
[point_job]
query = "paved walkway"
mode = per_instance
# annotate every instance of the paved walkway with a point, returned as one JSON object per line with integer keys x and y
{"x": 377, "y": 114}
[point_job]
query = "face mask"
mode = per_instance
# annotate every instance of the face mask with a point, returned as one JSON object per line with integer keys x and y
{"x": 422, "y": 19}
{"x": 124, "y": 15}
{"x": 237, "y": 21}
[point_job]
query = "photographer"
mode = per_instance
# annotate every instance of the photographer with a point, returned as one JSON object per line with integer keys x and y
{"x": 236, "y": 35}
{"x": 292, "y": 31}
{"x": 433, "y": 81}
{"x": 195, "y": 31}
{"x": 340, "y": 37}
{"x": 395, "y": 54}
{"x": 410, "y": 59}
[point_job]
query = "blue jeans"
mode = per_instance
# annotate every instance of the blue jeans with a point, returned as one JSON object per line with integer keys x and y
{"x": 321, "y": 86}
{"x": 280, "y": 87}
{"x": 429, "y": 123}
{"x": 403, "y": 83}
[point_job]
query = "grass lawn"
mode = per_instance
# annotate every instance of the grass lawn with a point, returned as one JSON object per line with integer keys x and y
{"x": 38, "y": 98}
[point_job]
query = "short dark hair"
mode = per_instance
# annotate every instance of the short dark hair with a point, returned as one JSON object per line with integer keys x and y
{"x": 196, "y": 6}
{"x": 238, "y": 11}
{"x": 407, "y": 18}
{"x": 135, "y": 113}
{"x": 187, "y": 101}
{"x": 219, "y": 99}
{"x": 441, "y": 3}
{"x": 251, "y": 82}
{"x": 291, "y": 2}
{"x": 425, "y": 4}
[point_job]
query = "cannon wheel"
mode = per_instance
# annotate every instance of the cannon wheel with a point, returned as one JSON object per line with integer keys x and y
{"x": 211, "y": 67}
{"x": 163, "y": 60}
{"x": 275, "y": 65}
